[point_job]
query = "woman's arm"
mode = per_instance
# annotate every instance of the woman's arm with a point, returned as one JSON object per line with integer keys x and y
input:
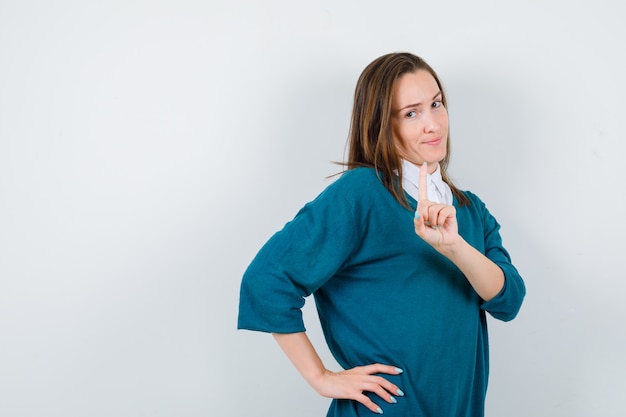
{"x": 437, "y": 225}
{"x": 350, "y": 384}
{"x": 484, "y": 275}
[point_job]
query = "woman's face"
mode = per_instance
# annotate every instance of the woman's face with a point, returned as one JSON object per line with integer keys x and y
{"x": 419, "y": 121}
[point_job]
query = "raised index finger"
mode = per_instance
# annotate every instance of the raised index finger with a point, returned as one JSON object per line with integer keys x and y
{"x": 422, "y": 190}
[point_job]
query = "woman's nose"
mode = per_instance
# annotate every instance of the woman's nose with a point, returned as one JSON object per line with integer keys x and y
{"x": 430, "y": 123}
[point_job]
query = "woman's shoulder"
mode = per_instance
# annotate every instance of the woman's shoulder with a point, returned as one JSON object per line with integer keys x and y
{"x": 351, "y": 184}
{"x": 358, "y": 175}
{"x": 477, "y": 205}
{"x": 473, "y": 198}
{"x": 345, "y": 196}
{"x": 356, "y": 180}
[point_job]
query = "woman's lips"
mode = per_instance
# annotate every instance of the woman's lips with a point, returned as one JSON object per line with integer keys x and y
{"x": 433, "y": 142}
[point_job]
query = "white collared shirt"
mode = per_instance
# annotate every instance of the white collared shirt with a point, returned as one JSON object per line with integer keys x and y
{"x": 438, "y": 190}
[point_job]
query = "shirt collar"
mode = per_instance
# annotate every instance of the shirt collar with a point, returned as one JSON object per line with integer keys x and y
{"x": 438, "y": 190}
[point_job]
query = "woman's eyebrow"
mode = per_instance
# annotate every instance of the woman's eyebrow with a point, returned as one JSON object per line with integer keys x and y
{"x": 417, "y": 104}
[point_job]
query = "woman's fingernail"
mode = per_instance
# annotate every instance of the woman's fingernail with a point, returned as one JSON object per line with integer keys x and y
{"x": 393, "y": 400}
{"x": 398, "y": 370}
{"x": 400, "y": 393}
{"x": 417, "y": 214}
{"x": 379, "y": 410}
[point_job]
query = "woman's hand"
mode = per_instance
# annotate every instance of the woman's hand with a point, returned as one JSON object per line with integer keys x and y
{"x": 345, "y": 385}
{"x": 435, "y": 223}
{"x": 352, "y": 384}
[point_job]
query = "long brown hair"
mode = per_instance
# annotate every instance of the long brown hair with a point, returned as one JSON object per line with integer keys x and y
{"x": 371, "y": 141}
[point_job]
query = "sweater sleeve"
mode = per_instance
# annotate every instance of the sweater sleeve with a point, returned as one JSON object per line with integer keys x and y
{"x": 295, "y": 262}
{"x": 507, "y": 303}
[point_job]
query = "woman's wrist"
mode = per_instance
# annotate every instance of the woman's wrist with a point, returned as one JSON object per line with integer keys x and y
{"x": 453, "y": 248}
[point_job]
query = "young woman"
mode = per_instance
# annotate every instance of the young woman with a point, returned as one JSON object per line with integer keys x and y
{"x": 402, "y": 264}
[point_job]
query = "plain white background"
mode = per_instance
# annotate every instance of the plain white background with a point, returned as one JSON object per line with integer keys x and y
{"x": 149, "y": 148}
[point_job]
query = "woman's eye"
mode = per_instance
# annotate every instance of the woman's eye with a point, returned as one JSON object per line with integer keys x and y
{"x": 437, "y": 104}
{"x": 411, "y": 114}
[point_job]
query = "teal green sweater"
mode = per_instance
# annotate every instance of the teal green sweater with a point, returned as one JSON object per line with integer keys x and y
{"x": 383, "y": 295}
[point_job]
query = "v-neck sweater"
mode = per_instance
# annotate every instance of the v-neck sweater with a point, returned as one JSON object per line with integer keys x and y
{"x": 383, "y": 295}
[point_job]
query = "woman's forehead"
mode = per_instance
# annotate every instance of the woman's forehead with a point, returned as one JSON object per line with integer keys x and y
{"x": 415, "y": 88}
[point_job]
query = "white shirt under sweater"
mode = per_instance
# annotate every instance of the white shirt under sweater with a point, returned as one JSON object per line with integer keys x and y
{"x": 438, "y": 190}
